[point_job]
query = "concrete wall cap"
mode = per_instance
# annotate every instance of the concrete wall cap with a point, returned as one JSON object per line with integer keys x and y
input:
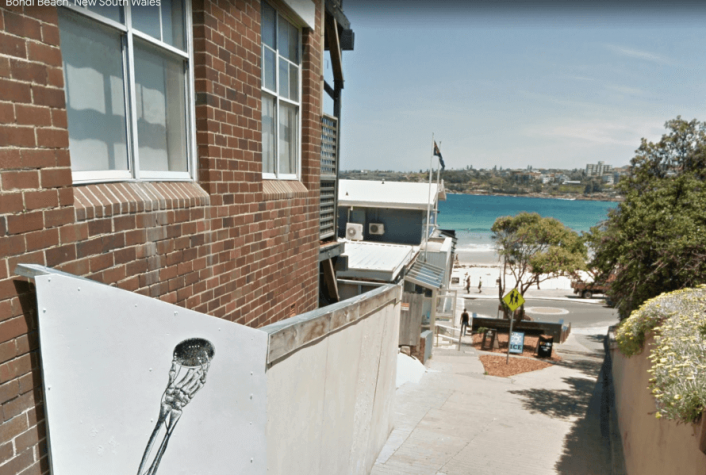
{"x": 287, "y": 336}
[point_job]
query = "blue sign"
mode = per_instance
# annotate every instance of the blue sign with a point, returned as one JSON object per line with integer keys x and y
{"x": 517, "y": 342}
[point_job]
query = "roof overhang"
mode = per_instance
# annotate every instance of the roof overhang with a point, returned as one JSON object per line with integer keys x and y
{"x": 426, "y": 275}
{"x": 305, "y": 10}
{"x": 377, "y": 262}
{"x": 378, "y": 204}
{"x": 391, "y": 194}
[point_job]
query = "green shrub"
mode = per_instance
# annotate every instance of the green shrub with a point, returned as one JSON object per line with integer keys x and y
{"x": 678, "y": 354}
{"x": 482, "y": 330}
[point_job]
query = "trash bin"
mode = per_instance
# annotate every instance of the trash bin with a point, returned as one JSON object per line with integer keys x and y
{"x": 544, "y": 348}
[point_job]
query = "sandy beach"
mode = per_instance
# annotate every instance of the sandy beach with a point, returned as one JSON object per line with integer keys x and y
{"x": 486, "y": 266}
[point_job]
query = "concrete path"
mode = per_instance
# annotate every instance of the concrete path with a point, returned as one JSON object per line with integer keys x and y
{"x": 457, "y": 421}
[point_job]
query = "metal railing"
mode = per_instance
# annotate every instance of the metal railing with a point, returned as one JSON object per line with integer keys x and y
{"x": 329, "y": 172}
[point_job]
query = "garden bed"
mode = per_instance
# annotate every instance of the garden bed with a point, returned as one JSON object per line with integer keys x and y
{"x": 497, "y": 366}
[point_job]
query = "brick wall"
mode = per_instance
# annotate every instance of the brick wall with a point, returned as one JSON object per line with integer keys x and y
{"x": 231, "y": 245}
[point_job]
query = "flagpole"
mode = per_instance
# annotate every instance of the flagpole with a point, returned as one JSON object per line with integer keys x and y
{"x": 426, "y": 231}
{"x": 436, "y": 203}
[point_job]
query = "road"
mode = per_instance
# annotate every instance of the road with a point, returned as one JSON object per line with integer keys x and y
{"x": 579, "y": 313}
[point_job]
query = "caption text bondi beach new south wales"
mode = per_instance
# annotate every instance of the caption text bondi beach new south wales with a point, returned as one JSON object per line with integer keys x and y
{"x": 352, "y": 237}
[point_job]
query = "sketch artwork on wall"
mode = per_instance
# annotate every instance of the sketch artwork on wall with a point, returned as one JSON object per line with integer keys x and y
{"x": 146, "y": 393}
{"x": 187, "y": 376}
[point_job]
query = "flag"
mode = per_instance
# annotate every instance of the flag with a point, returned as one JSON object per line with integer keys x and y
{"x": 437, "y": 153}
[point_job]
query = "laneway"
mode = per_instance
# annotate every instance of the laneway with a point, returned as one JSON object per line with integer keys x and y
{"x": 458, "y": 421}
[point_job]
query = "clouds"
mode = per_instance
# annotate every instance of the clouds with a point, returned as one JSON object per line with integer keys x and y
{"x": 633, "y": 91}
{"x": 623, "y": 131}
{"x": 516, "y": 96}
{"x": 638, "y": 54}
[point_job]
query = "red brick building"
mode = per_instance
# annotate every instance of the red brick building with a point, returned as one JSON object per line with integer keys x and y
{"x": 173, "y": 151}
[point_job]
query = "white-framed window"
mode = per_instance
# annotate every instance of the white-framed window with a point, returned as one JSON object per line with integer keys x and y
{"x": 281, "y": 96}
{"x": 128, "y": 79}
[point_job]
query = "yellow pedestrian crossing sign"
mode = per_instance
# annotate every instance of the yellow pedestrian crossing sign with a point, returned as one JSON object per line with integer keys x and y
{"x": 513, "y": 299}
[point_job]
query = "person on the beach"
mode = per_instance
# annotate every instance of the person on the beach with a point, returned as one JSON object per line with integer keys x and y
{"x": 464, "y": 322}
{"x": 468, "y": 284}
{"x": 480, "y": 284}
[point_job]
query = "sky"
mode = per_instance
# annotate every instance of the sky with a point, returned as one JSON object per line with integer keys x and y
{"x": 551, "y": 85}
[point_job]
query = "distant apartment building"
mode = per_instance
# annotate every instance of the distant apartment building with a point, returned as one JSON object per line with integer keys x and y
{"x": 597, "y": 169}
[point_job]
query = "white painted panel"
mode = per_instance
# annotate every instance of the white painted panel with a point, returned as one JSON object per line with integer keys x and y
{"x": 106, "y": 358}
{"x": 305, "y": 9}
{"x": 373, "y": 330}
{"x": 381, "y": 424}
{"x": 295, "y": 411}
{"x": 341, "y": 380}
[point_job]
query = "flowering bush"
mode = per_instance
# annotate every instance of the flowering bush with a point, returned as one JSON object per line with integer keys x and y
{"x": 678, "y": 355}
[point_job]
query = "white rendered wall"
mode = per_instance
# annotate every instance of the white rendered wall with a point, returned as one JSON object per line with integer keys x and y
{"x": 329, "y": 404}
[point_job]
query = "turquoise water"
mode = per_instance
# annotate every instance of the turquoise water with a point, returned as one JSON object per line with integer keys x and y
{"x": 473, "y": 215}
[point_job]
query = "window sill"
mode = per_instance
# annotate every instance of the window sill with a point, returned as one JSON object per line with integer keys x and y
{"x": 283, "y": 189}
{"x": 114, "y": 199}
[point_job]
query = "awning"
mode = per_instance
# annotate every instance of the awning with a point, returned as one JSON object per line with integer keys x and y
{"x": 427, "y": 275}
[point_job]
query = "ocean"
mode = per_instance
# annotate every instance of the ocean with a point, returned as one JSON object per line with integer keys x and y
{"x": 473, "y": 215}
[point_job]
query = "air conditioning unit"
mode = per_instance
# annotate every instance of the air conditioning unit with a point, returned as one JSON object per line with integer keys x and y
{"x": 354, "y": 231}
{"x": 376, "y": 228}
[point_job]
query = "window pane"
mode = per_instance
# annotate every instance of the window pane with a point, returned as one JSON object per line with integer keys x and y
{"x": 268, "y": 69}
{"x": 287, "y": 139}
{"x": 161, "y": 110}
{"x": 293, "y": 82}
{"x": 268, "y": 25}
{"x": 173, "y": 23}
{"x": 146, "y": 19}
{"x": 114, "y": 13}
{"x": 283, "y": 78}
{"x": 268, "y": 134}
{"x": 283, "y": 36}
{"x": 293, "y": 53}
{"x": 95, "y": 94}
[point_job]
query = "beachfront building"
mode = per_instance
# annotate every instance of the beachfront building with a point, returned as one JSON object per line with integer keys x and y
{"x": 382, "y": 225}
{"x": 390, "y": 212}
{"x": 174, "y": 151}
{"x": 389, "y": 240}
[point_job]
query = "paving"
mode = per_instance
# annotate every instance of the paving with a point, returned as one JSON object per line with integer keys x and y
{"x": 459, "y": 421}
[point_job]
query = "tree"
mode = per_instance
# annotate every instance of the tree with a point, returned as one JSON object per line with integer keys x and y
{"x": 535, "y": 249}
{"x": 655, "y": 240}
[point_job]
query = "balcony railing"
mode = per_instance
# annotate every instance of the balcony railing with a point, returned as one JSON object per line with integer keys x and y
{"x": 329, "y": 171}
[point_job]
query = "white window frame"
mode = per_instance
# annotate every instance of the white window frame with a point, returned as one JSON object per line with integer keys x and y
{"x": 265, "y": 91}
{"x": 133, "y": 173}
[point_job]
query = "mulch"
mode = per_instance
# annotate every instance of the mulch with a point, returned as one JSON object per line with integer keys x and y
{"x": 496, "y": 366}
